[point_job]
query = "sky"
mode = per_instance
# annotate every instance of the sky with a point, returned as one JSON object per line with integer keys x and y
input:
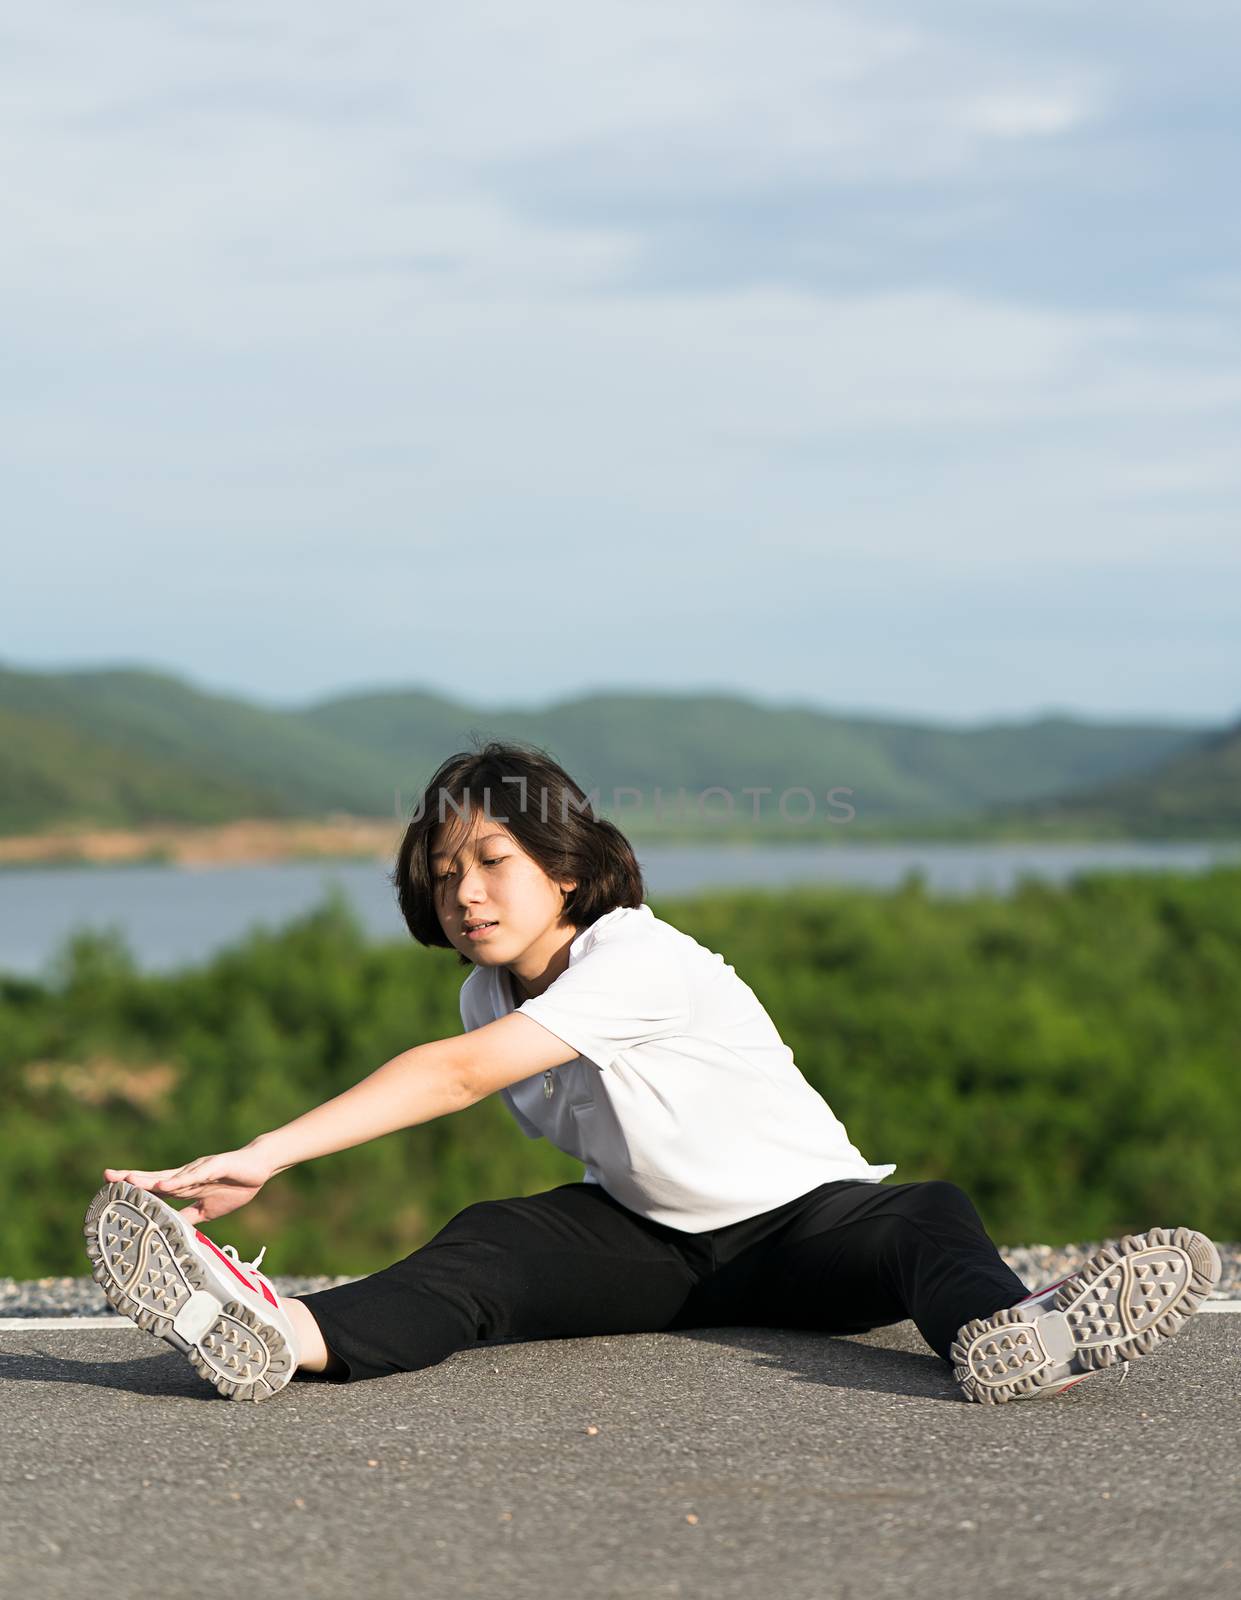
{"x": 878, "y": 357}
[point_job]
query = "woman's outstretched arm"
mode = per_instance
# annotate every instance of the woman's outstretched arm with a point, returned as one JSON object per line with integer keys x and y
{"x": 431, "y": 1080}
{"x": 428, "y": 1081}
{"x": 413, "y": 1087}
{"x": 416, "y": 1086}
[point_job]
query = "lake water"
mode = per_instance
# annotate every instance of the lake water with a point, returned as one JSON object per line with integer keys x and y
{"x": 176, "y": 916}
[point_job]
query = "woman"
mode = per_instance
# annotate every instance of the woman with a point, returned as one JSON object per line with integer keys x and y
{"x": 719, "y": 1188}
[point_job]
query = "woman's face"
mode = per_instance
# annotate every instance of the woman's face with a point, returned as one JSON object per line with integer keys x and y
{"x": 482, "y": 874}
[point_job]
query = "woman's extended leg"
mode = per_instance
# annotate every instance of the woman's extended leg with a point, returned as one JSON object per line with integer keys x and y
{"x": 312, "y": 1353}
{"x": 570, "y": 1262}
{"x": 857, "y": 1256}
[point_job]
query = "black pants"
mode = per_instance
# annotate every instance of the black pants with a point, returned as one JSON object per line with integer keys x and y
{"x": 573, "y": 1262}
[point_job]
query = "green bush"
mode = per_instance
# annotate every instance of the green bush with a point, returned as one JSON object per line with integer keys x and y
{"x": 1067, "y": 1055}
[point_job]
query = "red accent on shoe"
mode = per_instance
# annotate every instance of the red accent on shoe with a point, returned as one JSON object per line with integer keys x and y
{"x": 1072, "y": 1381}
{"x": 257, "y": 1287}
{"x": 1036, "y": 1294}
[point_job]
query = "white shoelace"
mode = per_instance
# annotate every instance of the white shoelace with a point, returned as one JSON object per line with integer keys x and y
{"x": 230, "y": 1250}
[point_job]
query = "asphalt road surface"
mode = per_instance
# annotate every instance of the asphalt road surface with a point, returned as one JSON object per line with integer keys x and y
{"x": 719, "y": 1463}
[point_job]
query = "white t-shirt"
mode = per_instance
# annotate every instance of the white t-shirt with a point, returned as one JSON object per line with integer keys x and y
{"x": 683, "y": 1102}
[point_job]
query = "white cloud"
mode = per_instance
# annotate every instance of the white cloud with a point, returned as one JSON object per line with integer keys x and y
{"x": 1017, "y": 115}
{"x": 1188, "y": 474}
{"x": 147, "y": 144}
{"x": 405, "y": 280}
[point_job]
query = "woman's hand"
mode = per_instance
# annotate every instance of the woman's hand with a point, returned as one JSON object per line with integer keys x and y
{"x": 215, "y": 1184}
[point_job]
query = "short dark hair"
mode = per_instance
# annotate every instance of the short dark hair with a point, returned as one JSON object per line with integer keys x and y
{"x": 548, "y": 814}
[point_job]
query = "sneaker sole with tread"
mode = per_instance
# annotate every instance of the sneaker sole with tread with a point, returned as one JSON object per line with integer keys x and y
{"x": 142, "y": 1261}
{"x": 1124, "y": 1302}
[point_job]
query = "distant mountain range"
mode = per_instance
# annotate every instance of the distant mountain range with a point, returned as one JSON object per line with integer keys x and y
{"x": 129, "y": 747}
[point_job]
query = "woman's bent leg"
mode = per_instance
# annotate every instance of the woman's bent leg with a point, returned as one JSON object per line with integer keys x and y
{"x": 866, "y": 1255}
{"x": 571, "y": 1262}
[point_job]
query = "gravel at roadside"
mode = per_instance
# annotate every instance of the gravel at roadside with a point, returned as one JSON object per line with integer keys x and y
{"x": 1034, "y": 1264}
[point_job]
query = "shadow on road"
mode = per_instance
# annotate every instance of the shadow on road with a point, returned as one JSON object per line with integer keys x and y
{"x": 839, "y": 1361}
{"x": 158, "y": 1376}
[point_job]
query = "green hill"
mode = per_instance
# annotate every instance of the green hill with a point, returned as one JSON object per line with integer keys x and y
{"x": 53, "y": 773}
{"x": 1196, "y": 792}
{"x": 129, "y": 746}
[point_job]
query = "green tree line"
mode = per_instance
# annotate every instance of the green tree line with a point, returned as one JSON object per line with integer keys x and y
{"x": 1068, "y": 1055}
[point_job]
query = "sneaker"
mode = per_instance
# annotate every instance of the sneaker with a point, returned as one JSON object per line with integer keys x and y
{"x": 1127, "y": 1299}
{"x": 221, "y": 1312}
